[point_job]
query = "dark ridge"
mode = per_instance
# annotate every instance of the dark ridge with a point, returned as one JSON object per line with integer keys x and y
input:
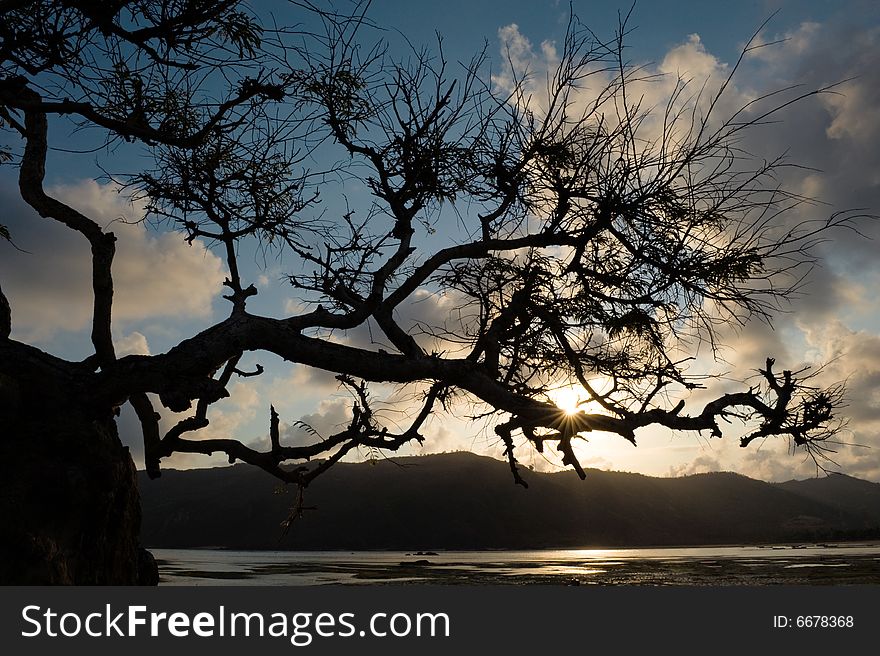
{"x": 464, "y": 501}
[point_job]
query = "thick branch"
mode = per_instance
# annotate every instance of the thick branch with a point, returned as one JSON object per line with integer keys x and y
{"x": 149, "y": 419}
{"x": 30, "y": 181}
{"x": 194, "y": 359}
{"x": 362, "y": 431}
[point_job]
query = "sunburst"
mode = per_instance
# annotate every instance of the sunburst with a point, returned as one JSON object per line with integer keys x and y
{"x": 567, "y": 398}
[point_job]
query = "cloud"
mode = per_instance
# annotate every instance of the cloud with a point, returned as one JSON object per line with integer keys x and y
{"x": 691, "y": 60}
{"x": 835, "y": 353}
{"x": 293, "y": 307}
{"x": 132, "y": 344}
{"x": 331, "y": 416}
{"x": 817, "y": 54}
{"x": 229, "y": 414}
{"x": 229, "y": 419}
{"x": 797, "y": 42}
{"x": 699, "y": 465}
{"x": 156, "y": 275}
{"x": 853, "y": 356}
{"x": 521, "y": 56}
{"x": 835, "y": 132}
{"x": 431, "y": 317}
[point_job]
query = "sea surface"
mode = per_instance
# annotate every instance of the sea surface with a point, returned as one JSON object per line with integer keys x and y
{"x": 804, "y": 564}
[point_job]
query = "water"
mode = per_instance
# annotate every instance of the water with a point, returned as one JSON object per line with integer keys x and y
{"x": 814, "y": 564}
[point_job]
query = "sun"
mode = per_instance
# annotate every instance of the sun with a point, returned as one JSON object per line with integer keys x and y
{"x": 566, "y": 398}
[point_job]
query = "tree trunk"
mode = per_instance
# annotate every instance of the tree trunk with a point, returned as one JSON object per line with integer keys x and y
{"x": 69, "y": 505}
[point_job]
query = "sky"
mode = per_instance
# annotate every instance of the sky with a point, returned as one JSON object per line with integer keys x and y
{"x": 167, "y": 290}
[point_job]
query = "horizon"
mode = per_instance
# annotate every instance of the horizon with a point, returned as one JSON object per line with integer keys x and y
{"x": 391, "y": 460}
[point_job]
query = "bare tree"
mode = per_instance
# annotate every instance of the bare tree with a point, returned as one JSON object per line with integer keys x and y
{"x": 604, "y": 240}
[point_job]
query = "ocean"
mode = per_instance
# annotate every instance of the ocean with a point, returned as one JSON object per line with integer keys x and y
{"x": 802, "y": 564}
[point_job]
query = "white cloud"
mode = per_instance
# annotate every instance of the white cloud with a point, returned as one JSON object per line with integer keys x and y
{"x": 522, "y": 63}
{"x": 699, "y": 465}
{"x": 690, "y": 60}
{"x": 132, "y": 344}
{"x": 155, "y": 274}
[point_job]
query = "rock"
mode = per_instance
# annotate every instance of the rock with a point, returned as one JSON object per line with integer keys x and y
{"x": 69, "y": 500}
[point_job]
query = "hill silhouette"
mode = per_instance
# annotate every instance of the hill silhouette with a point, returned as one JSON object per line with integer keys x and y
{"x": 464, "y": 501}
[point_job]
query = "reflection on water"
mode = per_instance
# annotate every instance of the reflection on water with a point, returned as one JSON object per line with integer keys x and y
{"x": 826, "y": 564}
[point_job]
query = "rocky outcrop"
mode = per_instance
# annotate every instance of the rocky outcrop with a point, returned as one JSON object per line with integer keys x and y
{"x": 69, "y": 504}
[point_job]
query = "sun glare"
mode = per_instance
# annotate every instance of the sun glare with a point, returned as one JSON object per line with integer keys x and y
{"x": 566, "y": 398}
{"x": 574, "y": 398}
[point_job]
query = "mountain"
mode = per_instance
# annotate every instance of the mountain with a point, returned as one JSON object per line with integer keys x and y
{"x": 849, "y": 496}
{"x": 464, "y": 501}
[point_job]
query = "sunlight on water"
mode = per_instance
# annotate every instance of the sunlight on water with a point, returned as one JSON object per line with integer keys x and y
{"x": 852, "y": 563}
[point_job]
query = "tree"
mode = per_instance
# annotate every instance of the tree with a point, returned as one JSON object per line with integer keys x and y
{"x": 603, "y": 240}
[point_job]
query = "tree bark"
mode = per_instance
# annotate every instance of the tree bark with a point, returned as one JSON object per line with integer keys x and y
{"x": 69, "y": 501}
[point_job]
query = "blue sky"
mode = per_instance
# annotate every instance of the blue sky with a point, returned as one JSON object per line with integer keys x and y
{"x": 168, "y": 290}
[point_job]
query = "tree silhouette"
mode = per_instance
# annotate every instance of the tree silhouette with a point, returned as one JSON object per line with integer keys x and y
{"x": 603, "y": 239}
